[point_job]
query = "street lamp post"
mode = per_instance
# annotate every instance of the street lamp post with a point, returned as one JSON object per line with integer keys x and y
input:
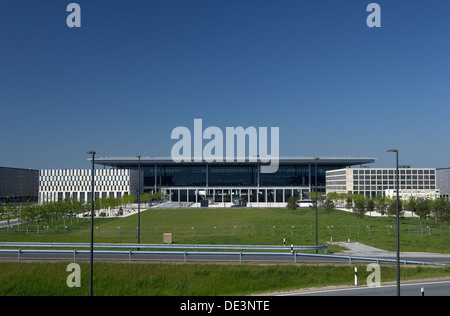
{"x": 139, "y": 200}
{"x": 398, "y": 221}
{"x": 91, "y": 260}
{"x": 315, "y": 184}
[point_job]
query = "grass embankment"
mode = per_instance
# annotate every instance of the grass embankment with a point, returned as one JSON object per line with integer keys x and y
{"x": 154, "y": 279}
{"x": 244, "y": 226}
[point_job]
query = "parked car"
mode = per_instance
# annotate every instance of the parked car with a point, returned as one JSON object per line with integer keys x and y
{"x": 305, "y": 204}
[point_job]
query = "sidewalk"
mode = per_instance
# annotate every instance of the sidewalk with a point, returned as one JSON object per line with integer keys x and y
{"x": 376, "y": 214}
{"x": 361, "y": 250}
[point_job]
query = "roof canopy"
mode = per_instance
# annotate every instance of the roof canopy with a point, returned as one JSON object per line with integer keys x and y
{"x": 343, "y": 161}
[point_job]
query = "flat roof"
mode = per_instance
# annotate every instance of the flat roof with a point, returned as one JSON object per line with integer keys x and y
{"x": 14, "y": 168}
{"x": 348, "y": 161}
{"x": 381, "y": 168}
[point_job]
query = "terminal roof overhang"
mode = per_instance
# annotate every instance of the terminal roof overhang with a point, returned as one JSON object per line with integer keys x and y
{"x": 131, "y": 161}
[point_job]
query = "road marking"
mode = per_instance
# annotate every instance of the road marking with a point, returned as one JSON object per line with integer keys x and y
{"x": 366, "y": 288}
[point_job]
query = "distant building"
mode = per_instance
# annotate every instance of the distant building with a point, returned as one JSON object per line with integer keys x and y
{"x": 418, "y": 182}
{"x": 443, "y": 181}
{"x": 62, "y": 184}
{"x": 18, "y": 185}
{"x": 233, "y": 183}
{"x": 227, "y": 183}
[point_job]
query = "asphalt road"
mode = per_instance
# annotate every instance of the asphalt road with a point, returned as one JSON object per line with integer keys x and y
{"x": 430, "y": 288}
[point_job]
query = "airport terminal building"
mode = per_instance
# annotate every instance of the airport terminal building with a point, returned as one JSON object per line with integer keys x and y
{"x": 232, "y": 183}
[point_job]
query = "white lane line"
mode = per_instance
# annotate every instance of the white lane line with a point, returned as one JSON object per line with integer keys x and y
{"x": 366, "y": 288}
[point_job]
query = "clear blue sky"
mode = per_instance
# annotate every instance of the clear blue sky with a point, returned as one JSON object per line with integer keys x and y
{"x": 137, "y": 69}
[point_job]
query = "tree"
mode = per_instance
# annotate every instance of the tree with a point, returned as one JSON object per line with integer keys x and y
{"x": 65, "y": 208}
{"x": 27, "y": 214}
{"x": 55, "y": 210}
{"x": 422, "y": 208}
{"x": 392, "y": 207}
{"x": 333, "y": 196}
{"x": 39, "y": 212}
{"x": 114, "y": 202}
{"x": 5, "y": 212}
{"x": 380, "y": 204}
{"x": 98, "y": 204}
{"x": 349, "y": 203}
{"x": 46, "y": 211}
{"x": 329, "y": 205}
{"x": 14, "y": 212}
{"x": 370, "y": 206}
{"x": 292, "y": 203}
{"x": 128, "y": 198}
{"x": 360, "y": 208}
{"x": 312, "y": 195}
{"x": 77, "y": 208}
{"x": 411, "y": 204}
{"x": 440, "y": 209}
{"x": 2, "y": 211}
{"x": 158, "y": 196}
{"x": 146, "y": 197}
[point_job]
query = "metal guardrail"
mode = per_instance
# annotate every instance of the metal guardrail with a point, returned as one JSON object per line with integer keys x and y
{"x": 233, "y": 254}
{"x": 162, "y": 246}
{"x": 377, "y": 260}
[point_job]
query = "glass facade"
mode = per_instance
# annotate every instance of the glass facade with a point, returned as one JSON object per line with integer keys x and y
{"x": 242, "y": 175}
{"x": 238, "y": 183}
{"x": 233, "y": 175}
{"x": 296, "y": 175}
{"x": 172, "y": 175}
{"x": 184, "y": 176}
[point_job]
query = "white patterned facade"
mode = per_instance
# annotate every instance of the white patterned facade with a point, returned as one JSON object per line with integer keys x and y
{"x": 61, "y": 184}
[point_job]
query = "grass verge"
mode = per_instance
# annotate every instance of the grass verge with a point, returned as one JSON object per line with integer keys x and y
{"x": 243, "y": 226}
{"x": 188, "y": 279}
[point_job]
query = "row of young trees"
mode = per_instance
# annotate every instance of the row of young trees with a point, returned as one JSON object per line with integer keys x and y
{"x": 439, "y": 208}
{"x": 65, "y": 208}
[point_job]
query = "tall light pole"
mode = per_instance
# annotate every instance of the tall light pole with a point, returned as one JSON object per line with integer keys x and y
{"x": 315, "y": 185}
{"x": 398, "y": 221}
{"x": 139, "y": 200}
{"x": 91, "y": 261}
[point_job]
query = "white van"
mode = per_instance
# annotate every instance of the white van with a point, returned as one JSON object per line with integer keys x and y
{"x": 305, "y": 204}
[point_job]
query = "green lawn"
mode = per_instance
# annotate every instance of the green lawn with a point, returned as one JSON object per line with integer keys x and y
{"x": 244, "y": 226}
{"x": 155, "y": 279}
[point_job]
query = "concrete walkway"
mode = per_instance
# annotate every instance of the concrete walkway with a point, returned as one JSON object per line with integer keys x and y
{"x": 375, "y": 213}
{"x": 361, "y": 250}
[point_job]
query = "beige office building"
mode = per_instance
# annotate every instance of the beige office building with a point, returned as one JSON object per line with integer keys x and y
{"x": 418, "y": 182}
